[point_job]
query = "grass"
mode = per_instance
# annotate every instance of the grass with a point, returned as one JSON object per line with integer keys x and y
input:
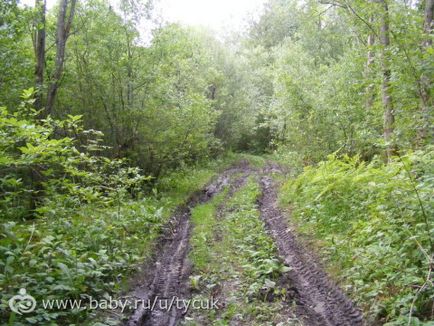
{"x": 91, "y": 250}
{"x": 370, "y": 225}
{"x": 238, "y": 266}
{"x": 254, "y": 160}
{"x": 205, "y": 223}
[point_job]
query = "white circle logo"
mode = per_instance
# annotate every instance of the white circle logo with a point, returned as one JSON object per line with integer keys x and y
{"x": 22, "y": 303}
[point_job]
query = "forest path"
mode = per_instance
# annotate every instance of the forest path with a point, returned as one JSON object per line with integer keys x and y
{"x": 311, "y": 296}
{"x": 319, "y": 301}
{"x": 167, "y": 278}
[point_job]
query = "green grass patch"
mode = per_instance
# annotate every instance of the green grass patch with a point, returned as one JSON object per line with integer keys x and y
{"x": 88, "y": 250}
{"x": 205, "y": 224}
{"x": 254, "y": 160}
{"x": 374, "y": 223}
{"x": 239, "y": 267}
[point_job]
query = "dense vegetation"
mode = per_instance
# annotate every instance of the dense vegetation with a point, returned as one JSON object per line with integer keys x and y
{"x": 375, "y": 223}
{"x": 105, "y": 129}
{"x": 242, "y": 260}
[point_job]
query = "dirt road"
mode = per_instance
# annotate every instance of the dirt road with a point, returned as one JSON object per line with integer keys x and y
{"x": 317, "y": 300}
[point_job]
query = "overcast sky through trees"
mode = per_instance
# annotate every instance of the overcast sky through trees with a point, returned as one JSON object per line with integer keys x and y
{"x": 222, "y": 15}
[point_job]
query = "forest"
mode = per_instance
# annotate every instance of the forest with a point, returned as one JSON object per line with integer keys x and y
{"x": 283, "y": 170}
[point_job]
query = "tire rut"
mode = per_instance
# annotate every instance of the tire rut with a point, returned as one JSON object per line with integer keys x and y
{"x": 319, "y": 301}
{"x": 168, "y": 276}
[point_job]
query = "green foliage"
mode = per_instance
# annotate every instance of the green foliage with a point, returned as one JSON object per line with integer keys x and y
{"x": 204, "y": 221}
{"x": 231, "y": 251}
{"x": 43, "y": 168}
{"x": 375, "y": 223}
{"x": 16, "y": 64}
{"x": 153, "y": 103}
{"x": 255, "y": 247}
{"x": 93, "y": 225}
{"x": 85, "y": 253}
{"x": 297, "y": 84}
{"x": 323, "y": 95}
{"x": 69, "y": 249}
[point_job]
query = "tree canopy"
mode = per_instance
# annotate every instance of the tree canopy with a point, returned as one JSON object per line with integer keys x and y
{"x": 104, "y": 106}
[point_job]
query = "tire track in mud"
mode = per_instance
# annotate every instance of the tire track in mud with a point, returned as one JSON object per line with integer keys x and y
{"x": 168, "y": 275}
{"x": 319, "y": 301}
{"x": 283, "y": 313}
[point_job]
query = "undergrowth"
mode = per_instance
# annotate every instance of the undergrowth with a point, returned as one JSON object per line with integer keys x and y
{"x": 375, "y": 223}
{"x": 75, "y": 224}
{"x": 236, "y": 262}
{"x": 86, "y": 252}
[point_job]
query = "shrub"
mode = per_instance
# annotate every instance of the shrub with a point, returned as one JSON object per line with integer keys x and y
{"x": 55, "y": 163}
{"x": 69, "y": 225}
{"x": 376, "y": 221}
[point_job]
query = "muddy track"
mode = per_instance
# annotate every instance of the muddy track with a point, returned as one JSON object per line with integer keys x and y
{"x": 319, "y": 301}
{"x": 168, "y": 275}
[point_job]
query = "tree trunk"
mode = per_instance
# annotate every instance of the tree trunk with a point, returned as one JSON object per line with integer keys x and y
{"x": 62, "y": 34}
{"x": 425, "y": 80}
{"x": 428, "y": 25}
{"x": 370, "y": 95}
{"x": 39, "y": 46}
{"x": 129, "y": 70}
{"x": 389, "y": 117}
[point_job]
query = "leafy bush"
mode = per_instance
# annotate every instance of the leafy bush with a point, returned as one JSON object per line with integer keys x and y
{"x": 88, "y": 253}
{"x": 91, "y": 224}
{"x": 42, "y": 167}
{"x": 376, "y": 222}
{"x": 66, "y": 228}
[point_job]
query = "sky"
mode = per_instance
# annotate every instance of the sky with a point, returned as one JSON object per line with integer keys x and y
{"x": 219, "y": 15}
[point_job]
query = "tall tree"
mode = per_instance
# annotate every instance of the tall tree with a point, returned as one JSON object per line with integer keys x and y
{"x": 64, "y": 22}
{"x": 39, "y": 46}
{"x": 425, "y": 81}
{"x": 389, "y": 115}
{"x": 370, "y": 95}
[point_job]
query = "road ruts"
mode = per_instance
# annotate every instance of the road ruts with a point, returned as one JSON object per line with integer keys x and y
{"x": 168, "y": 276}
{"x": 319, "y": 301}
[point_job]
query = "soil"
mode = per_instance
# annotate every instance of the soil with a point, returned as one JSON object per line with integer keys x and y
{"x": 168, "y": 275}
{"x": 319, "y": 302}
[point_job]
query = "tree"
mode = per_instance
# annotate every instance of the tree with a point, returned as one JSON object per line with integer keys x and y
{"x": 39, "y": 46}
{"x": 425, "y": 80}
{"x": 389, "y": 114}
{"x": 17, "y": 63}
{"x": 370, "y": 94}
{"x": 64, "y": 22}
